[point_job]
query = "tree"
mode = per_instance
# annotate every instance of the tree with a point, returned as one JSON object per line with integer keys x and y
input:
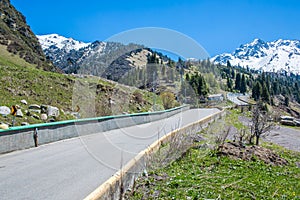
{"x": 256, "y": 91}
{"x": 265, "y": 93}
{"x": 243, "y": 88}
{"x": 286, "y": 101}
{"x": 238, "y": 82}
{"x": 261, "y": 122}
{"x": 229, "y": 84}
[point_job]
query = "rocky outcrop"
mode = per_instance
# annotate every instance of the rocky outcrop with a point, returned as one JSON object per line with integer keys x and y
{"x": 17, "y": 36}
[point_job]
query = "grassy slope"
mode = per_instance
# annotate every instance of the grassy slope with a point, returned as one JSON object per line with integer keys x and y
{"x": 202, "y": 175}
{"x": 21, "y": 80}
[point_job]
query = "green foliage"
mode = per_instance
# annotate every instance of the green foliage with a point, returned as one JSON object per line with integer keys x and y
{"x": 256, "y": 91}
{"x": 243, "y": 88}
{"x": 168, "y": 99}
{"x": 203, "y": 175}
{"x": 238, "y": 82}
{"x": 198, "y": 83}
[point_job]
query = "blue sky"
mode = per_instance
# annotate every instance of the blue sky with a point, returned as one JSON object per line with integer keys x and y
{"x": 219, "y": 26}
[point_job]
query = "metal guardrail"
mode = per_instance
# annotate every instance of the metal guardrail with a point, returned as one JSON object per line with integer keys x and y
{"x": 86, "y": 120}
{"x": 23, "y": 137}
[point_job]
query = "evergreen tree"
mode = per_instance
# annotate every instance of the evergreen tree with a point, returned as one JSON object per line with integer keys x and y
{"x": 238, "y": 82}
{"x": 229, "y": 84}
{"x": 256, "y": 91}
{"x": 228, "y": 64}
{"x": 243, "y": 88}
{"x": 265, "y": 93}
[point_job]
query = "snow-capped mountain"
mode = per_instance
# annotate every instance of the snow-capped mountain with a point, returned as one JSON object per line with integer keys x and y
{"x": 60, "y": 42}
{"x": 106, "y": 59}
{"x": 276, "y": 56}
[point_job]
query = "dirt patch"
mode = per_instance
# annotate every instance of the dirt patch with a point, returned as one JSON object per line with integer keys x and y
{"x": 252, "y": 153}
{"x": 145, "y": 184}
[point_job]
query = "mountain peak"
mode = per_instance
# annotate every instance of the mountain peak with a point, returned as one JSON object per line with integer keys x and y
{"x": 60, "y": 42}
{"x": 278, "y": 55}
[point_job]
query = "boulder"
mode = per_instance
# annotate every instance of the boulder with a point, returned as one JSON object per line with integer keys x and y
{"x": 52, "y": 111}
{"x": 35, "y": 111}
{"x": 19, "y": 113}
{"x": 25, "y": 124}
{"x": 34, "y": 107}
{"x": 23, "y": 101}
{"x": 4, "y": 110}
{"x": 44, "y": 108}
{"x": 76, "y": 115}
{"x": 4, "y": 126}
{"x": 35, "y": 116}
{"x": 51, "y": 120}
{"x": 44, "y": 117}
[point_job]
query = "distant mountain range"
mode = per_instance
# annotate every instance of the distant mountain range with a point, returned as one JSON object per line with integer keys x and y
{"x": 97, "y": 58}
{"x": 109, "y": 60}
{"x": 276, "y": 56}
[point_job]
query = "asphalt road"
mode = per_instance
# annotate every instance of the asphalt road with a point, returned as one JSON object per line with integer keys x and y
{"x": 72, "y": 169}
{"x": 233, "y": 97}
{"x": 286, "y": 137}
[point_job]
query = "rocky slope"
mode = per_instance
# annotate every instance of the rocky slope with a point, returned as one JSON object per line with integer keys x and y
{"x": 17, "y": 37}
{"x": 109, "y": 60}
{"x": 276, "y": 56}
{"x": 85, "y": 58}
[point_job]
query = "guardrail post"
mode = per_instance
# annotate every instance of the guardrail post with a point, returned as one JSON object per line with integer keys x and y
{"x": 35, "y": 137}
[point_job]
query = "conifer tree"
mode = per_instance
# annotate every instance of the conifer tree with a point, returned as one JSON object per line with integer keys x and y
{"x": 243, "y": 88}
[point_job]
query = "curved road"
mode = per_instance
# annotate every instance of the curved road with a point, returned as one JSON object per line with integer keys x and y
{"x": 233, "y": 97}
{"x": 72, "y": 169}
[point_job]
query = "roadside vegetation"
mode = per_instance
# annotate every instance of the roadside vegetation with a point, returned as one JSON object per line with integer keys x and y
{"x": 89, "y": 96}
{"x": 205, "y": 175}
{"x": 223, "y": 167}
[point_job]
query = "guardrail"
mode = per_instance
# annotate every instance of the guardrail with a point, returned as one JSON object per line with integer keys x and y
{"x": 23, "y": 137}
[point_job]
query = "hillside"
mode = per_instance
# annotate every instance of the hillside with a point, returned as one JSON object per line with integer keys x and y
{"x": 18, "y": 38}
{"x": 110, "y": 60}
{"x": 84, "y": 96}
{"x": 95, "y": 58}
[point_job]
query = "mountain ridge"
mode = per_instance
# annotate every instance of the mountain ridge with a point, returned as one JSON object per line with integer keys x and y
{"x": 275, "y": 56}
{"x": 110, "y": 60}
{"x": 18, "y": 39}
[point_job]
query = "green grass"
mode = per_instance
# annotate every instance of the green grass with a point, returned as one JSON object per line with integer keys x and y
{"x": 203, "y": 175}
{"x": 20, "y": 80}
{"x": 232, "y": 118}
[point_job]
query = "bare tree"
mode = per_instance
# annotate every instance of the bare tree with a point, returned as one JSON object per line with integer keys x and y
{"x": 261, "y": 122}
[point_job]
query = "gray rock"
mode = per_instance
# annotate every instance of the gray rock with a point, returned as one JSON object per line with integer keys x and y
{"x": 19, "y": 113}
{"x": 51, "y": 120}
{"x": 35, "y": 116}
{"x": 4, "y": 126}
{"x": 4, "y": 110}
{"x": 44, "y": 117}
{"x": 44, "y": 108}
{"x": 35, "y": 111}
{"x": 23, "y": 101}
{"x": 34, "y": 107}
{"x": 52, "y": 111}
{"x": 25, "y": 124}
{"x": 75, "y": 114}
